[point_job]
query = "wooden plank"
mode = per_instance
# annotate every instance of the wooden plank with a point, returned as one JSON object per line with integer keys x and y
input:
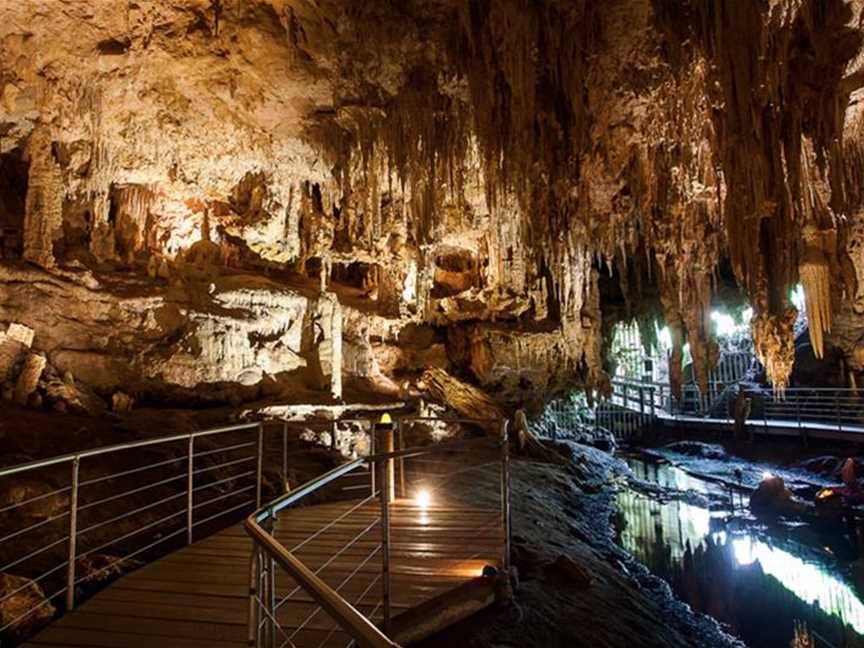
{"x": 60, "y": 635}
{"x": 191, "y": 627}
{"x": 198, "y": 595}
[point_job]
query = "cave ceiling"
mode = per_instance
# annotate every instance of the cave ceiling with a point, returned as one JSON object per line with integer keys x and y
{"x": 473, "y": 172}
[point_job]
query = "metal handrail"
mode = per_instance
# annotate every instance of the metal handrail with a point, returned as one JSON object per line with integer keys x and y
{"x": 355, "y": 624}
{"x": 346, "y": 615}
{"x": 788, "y": 390}
{"x": 83, "y": 454}
{"x": 72, "y": 539}
{"x": 360, "y": 628}
{"x": 805, "y": 408}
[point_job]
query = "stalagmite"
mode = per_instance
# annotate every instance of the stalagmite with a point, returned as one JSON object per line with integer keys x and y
{"x": 29, "y": 377}
{"x": 43, "y": 215}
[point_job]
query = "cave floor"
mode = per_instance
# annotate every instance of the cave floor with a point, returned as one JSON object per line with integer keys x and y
{"x": 197, "y": 597}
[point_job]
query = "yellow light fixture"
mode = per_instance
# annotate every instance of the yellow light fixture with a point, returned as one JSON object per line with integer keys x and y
{"x": 385, "y": 418}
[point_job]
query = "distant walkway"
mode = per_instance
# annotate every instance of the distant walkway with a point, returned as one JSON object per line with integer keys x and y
{"x": 828, "y": 413}
{"x": 818, "y": 413}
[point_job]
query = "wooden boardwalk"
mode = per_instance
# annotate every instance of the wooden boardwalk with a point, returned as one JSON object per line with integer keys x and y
{"x": 197, "y": 597}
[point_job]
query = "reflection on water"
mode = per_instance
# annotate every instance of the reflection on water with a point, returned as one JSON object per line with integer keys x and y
{"x": 757, "y": 585}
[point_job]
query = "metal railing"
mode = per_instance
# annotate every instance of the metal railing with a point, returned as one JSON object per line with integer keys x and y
{"x": 562, "y": 419}
{"x": 840, "y": 409}
{"x": 73, "y": 522}
{"x": 344, "y": 595}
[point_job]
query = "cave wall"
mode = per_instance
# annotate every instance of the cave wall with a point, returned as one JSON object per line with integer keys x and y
{"x": 199, "y": 197}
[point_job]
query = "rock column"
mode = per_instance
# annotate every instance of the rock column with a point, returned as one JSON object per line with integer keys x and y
{"x": 43, "y": 216}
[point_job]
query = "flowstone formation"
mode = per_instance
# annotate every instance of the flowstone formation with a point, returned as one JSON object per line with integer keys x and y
{"x": 288, "y": 199}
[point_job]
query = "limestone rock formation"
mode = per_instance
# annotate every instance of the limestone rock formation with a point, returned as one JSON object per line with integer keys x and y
{"x": 231, "y": 200}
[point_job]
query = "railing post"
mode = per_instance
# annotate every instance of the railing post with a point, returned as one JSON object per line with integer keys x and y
{"x": 390, "y": 446}
{"x": 401, "y": 440}
{"x": 653, "y": 404}
{"x": 73, "y": 533}
{"x": 271, "y": 591}
{"x": 372, "y": 468}
{"x": 285, "y": 485}
{"x": 798, "y": 413}
{"x": 505, "y": 494}
{"x": 837, "y": 412}
{"x": 253, "y": 611}
{"x": 641, "y": 406}
{"x": 385, "y": 544}
{"x": 260, "y": 465}
{"x": 261, "y": 587}
{"x": 190, "y": 490}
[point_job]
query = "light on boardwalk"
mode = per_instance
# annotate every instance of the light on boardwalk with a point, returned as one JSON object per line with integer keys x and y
{"x": 423, "y": 499}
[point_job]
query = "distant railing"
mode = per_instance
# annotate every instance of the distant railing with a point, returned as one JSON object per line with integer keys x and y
{"x": 392, "y": 475}
{"x": 75, "y": 520}
{"x": 837, "y": 408}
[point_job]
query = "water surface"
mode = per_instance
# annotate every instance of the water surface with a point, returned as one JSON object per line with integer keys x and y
{"x": 756, "y": 579}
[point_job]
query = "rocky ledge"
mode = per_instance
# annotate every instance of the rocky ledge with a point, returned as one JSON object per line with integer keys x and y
{"x": 576, "y": 586}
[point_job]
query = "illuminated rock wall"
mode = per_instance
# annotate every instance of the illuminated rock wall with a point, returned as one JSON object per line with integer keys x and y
{"x": 190, "y": 176}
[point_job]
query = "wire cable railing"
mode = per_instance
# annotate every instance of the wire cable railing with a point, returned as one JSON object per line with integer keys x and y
{"x": 74, "y": 522}
{"x": 343, "y": 581}
{"x": 802, "y": 409}
{"x": 96, "y": 519}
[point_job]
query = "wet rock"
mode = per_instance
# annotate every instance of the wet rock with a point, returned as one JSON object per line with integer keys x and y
{"x": 18, "y": 596}
{"x": 826, "y": 466}
{"x": 772, "y": 498}
{"x": 697, "y": 449}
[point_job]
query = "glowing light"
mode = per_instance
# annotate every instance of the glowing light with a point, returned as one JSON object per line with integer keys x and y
{"x": 423, "y": 499}
{"x": 385, "y": 418}
{"x": 724, "y": 323}
{"x": 726, "y": 326}
{"x": 824, "y": 493}
{"x": 767, "y": 475}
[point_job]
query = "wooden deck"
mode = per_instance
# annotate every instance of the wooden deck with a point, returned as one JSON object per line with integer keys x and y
{"x": 197, "y": 597}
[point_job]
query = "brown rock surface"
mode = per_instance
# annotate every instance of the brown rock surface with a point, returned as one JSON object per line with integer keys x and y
{"x": 20, "y": 597}
{"x": 190, "y": 176}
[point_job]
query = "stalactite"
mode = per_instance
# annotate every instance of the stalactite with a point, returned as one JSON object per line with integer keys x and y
{"x": 815, "y": 273}
{"x": 774, "y": 343}
{"x": 765, "y": 58}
